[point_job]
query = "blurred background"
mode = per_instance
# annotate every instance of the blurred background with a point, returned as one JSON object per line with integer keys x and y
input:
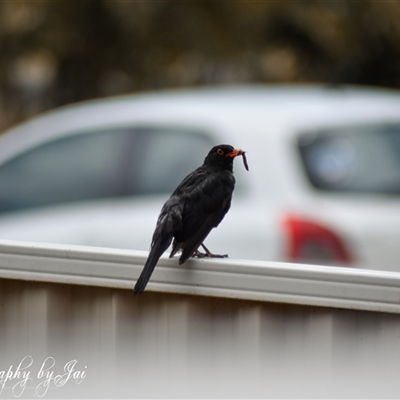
{"x": 55, "y": 52}
{"x": 58, "y": 52}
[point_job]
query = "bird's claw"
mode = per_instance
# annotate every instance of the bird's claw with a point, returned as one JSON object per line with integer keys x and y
{"x": 208, "y": 254}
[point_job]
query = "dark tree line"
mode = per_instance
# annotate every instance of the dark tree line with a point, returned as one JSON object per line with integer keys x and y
{"x": 57, "y": 52}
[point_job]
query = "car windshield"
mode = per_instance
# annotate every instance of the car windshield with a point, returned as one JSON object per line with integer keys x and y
{"x": 360, "y": 159}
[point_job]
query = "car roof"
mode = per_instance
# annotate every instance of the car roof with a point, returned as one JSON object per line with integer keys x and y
{"x": 283, "y": 101}
{"x": 289, "y": 107}
{"x": 295, "y": 102}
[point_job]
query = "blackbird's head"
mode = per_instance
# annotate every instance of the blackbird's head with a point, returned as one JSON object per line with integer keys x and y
{"x": 222, "y": 156}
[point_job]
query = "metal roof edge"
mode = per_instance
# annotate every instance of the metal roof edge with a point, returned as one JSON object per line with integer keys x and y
{"x": 311, "y": 285}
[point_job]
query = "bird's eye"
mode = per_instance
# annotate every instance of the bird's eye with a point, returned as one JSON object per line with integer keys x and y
{"x": 220, "y": 152}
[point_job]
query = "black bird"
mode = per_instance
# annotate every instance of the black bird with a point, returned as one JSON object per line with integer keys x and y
{"x": 197, "y": 205}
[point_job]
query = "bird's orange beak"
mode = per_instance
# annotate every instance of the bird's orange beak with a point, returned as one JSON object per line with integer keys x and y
{"x": 239, "y": 152}
{"x": 235, "y": 152}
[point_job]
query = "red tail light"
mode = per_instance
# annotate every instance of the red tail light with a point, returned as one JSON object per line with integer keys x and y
{"x": 312, "y": 242}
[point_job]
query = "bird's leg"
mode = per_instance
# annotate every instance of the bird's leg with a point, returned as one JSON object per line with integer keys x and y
{"x": 208, "y": 253}
{"x": 211, "y": 255}
{"x": 199, "y": 254}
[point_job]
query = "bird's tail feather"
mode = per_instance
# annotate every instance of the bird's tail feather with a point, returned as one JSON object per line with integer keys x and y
{"x": 161, "y": 241}
{"x": 148, "y": 269}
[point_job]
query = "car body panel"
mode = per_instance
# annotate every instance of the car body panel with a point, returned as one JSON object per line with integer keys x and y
{"x": 265, "y": 121}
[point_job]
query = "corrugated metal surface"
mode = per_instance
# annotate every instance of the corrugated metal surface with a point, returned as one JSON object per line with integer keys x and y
{"x": 185, "y": 346}
{"x": 163, "y": 345}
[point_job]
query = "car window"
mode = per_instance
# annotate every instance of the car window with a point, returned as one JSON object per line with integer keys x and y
{"x": 356, "y": 159}
{"x": 104, "y": 164}
{"x": 167, "y": 156}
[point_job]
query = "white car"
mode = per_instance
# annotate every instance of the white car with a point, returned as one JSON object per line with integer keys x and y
{"x": 323, "y": 185}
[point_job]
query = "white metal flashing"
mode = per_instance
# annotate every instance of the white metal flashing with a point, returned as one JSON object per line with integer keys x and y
{"x": 311, "y": 285}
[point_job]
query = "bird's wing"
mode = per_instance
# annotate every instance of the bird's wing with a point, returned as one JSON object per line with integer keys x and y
{"x": 198, "y": 237}
{"x": 205, "y": 205}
